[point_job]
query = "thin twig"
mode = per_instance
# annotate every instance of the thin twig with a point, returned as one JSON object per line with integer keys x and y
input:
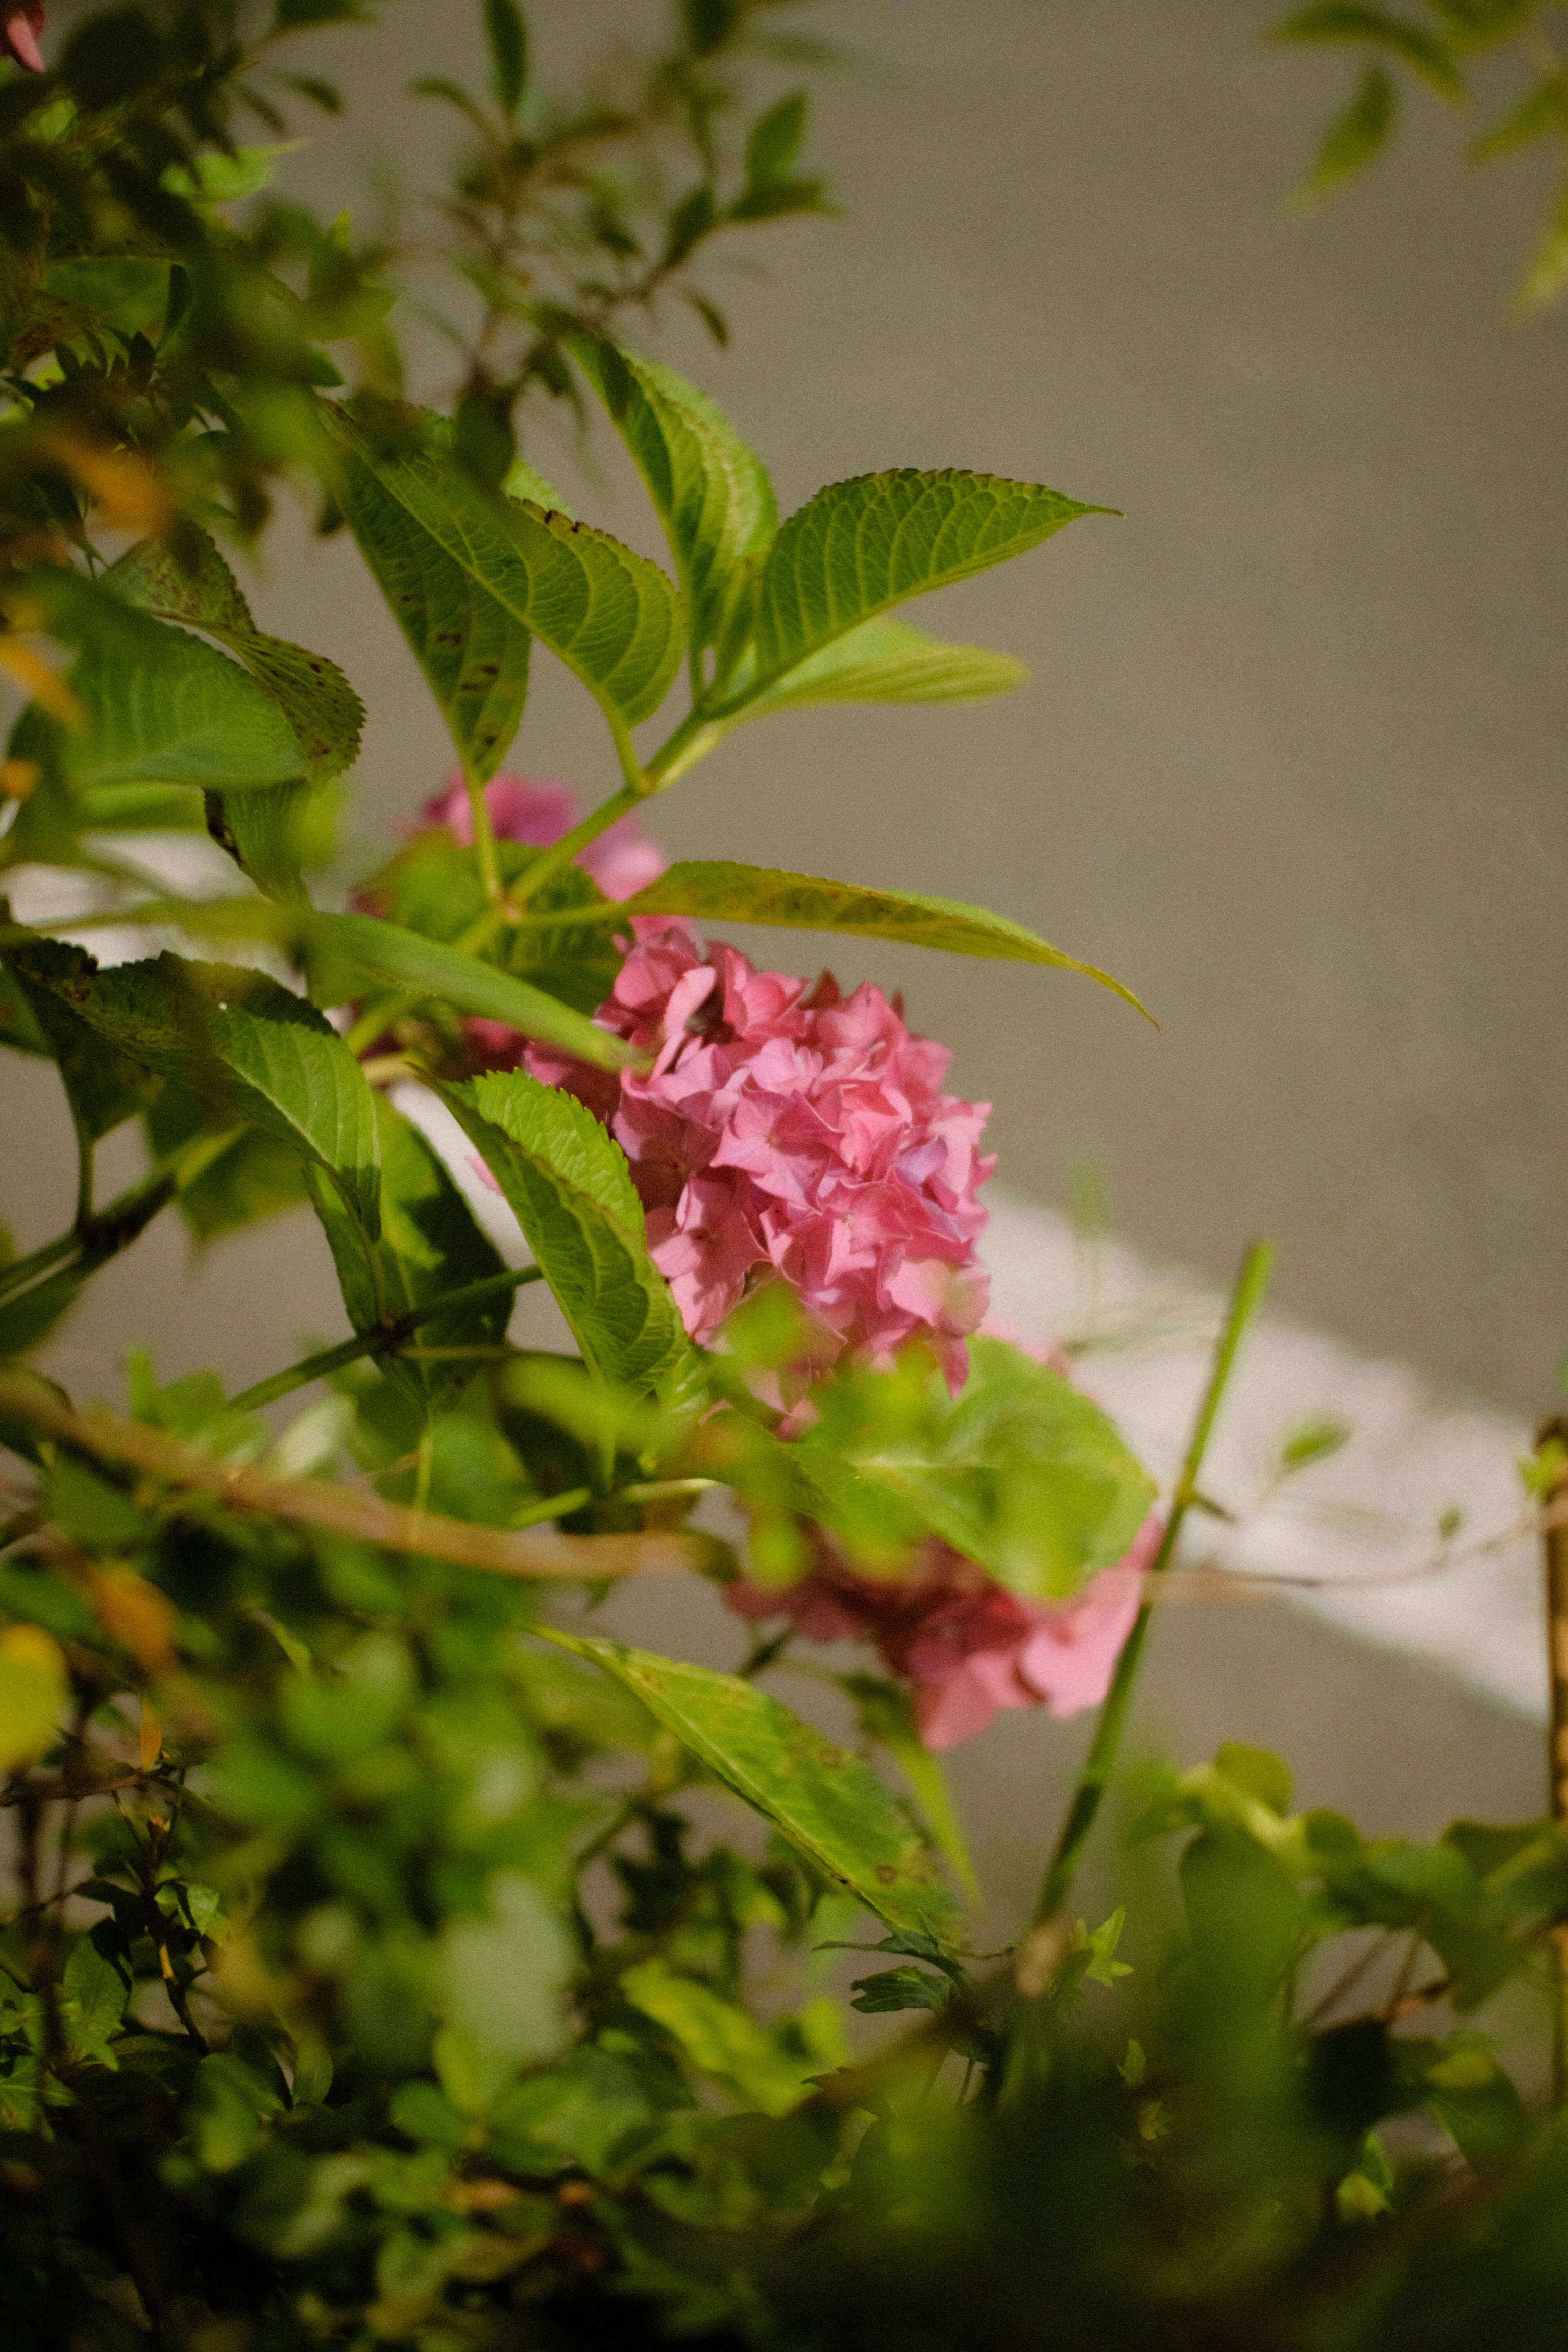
{"x": 344, "y": 1510}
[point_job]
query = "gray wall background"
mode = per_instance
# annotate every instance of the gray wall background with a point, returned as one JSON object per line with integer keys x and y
{"x": 1290, "y": 763}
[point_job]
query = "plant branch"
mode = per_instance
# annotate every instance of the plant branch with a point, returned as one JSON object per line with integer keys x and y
{"x": 345, "y": 1510}
{"x": 1251, "y": 1284}
{"x": 384, "y": 1341}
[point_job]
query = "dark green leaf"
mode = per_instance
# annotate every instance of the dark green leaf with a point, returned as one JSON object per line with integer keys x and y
{"x": 472, "y": 649}
{"x": 102, "y": 1088}
{"x": 429, "y": 1245}
{"x": 567, "y": 1184}
{"x": 824, "y": 1799}
{"x": 239, "y": 1041}
{"x": 508, "y": 37}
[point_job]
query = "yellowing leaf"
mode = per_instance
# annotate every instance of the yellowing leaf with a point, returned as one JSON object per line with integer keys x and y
{"x": 34, "y": 1688}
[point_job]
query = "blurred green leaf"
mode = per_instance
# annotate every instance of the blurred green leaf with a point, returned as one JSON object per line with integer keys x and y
{"x": 718, "y": 2039}
{"x": 1341, "y": 23}
{"x": 191, "y": 716}
{"x": 508, "y": 37}
{"x": 1020, "y": 1472}
{"x": 1355, "y": 139}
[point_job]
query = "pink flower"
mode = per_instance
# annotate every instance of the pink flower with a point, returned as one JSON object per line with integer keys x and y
{"x": 622, "y": 861}
{"x": 19, "y": 31}
{"x": 966, "y": 1645}
{"x": 792, "y": 1134}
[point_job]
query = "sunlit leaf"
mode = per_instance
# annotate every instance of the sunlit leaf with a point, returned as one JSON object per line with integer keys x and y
{"x": 567, "y": 1184}
{"x": 862, "y": 546}
{"x": 719, "y": 890}
{"x": 710, "y": 491}
{"x": 824, "y": 1799}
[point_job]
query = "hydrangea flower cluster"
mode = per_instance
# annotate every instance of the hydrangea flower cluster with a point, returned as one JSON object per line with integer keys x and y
{"x": 966, "y": 1647}
{"x": 797, "y": 1133}
{"x": 789, "y": 1132}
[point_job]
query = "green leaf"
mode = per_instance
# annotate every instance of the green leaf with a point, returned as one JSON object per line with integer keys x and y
{"x": 473, "y": 651}
{"x": 18, "y": 1028}
{"x": 380, "y": 952}
{"x": 1340, "y": 24}
{"x": 888, "y": 661}
{"x": 860, "y": 547}
{"x": 1354, "y": 138}
{"x": 824, "y": 1799}
{"x": 255, "y": 1175}
{"x": 429, "y": 1245}
{"x": 710, "y": 491}
{"x": 884, "y": 1712}
{"x": 1543, "y": 113}
{"x": 240, "y": 1042}
{"x": 1020, "y": 1473}
{"x": 93, "y": 1996}
{"x": 892, "y": 1990}
{"x": 158, "y": 705}
{"x": 718, "y": 2039}
{"x": 773, "y": 147}
{"x": 568, "y": 1185}
{"x": 1547, "y": 273}
{"x": 434, "y": 887}
{"x": 508, "y": 38}
{"x": 102, "y": 1088}
{"x": 127, "y": 292}
{"x": 324, "y": 713}
{"x": 611, "y": 616}
{"x": 261, "y": 830}
{"x": 719, "y": 890}
{"x": 344, "y": 952}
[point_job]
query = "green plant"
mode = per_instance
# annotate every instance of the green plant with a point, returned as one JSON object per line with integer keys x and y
{"x": 393, "y": 1959}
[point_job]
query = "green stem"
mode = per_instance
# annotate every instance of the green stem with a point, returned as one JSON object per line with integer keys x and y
{"x": 559, "y": 854}
{"x": 382, "y": 1342}
{"x": 83, "y": 1172}
{"x": 484, "y": 840}
{"x": 1251, "y": 1281}
{"x": 116, "y": 1226}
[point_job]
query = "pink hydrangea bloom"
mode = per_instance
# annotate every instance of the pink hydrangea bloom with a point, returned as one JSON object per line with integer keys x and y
{"x": 966, "y": 1645}
{"x": 622, "y": 861}
{"x": 799, "y": 1134}
{"x": 19, "y": 30}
